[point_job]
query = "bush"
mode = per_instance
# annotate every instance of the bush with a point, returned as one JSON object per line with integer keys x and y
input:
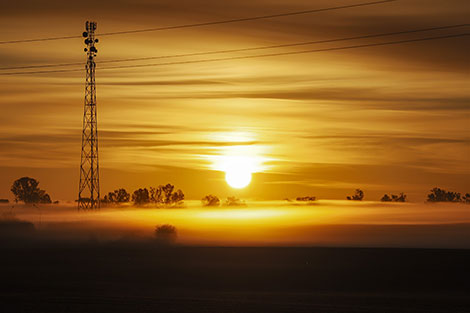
{"x": 306, "y": 198}
{"x": 234, "y": 201}
{"x": 394, "y": 198}
{"x": 466, "y": 198}
{"x": 358, "y": 196}
{"x": 386, "y": 198}
{"x": 166, "y": 233}
{"x": 210, "y": 200}
{"x": 440, "y": 195}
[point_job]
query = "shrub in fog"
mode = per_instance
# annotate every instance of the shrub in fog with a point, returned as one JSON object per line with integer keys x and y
{"x": 234, "y": 201}
{"x": 166, "y": 233}
{"x": 306, "y": 198}
{"x": 210, "y": 200}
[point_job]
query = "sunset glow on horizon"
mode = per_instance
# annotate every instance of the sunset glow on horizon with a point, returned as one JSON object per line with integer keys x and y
{"x": 336, "y": 222}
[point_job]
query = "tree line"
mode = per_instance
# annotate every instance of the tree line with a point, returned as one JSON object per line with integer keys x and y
{"x": 213, "y": 201}
{"x": 435, "y": 195}
{"x": 163, "y": 195}
{"x": 27, "y": 189}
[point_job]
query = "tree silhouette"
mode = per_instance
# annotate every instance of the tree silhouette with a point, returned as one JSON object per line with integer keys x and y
{"x": 177, "y": 197}
{"x": 306, "y": 198}
{"x": 440, "y": 195}
{"x": 394, "y": 198}
{"x": 26, "y": 189}
{"x": 466, "y": 198}
{"x": 210, "y": 200}
{"x": 156, "y": 194}
{"x": 117, "y": 196}
{"x": 386, "y": 198}
{"x": 400, "y": 198}
{"x": 358, "y": 196}
{"x": 165, "y": 195}
{"x": 141, "y": 196}
{"x": 122, "y": 195}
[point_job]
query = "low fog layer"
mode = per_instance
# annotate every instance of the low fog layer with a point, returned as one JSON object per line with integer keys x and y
{"x": 282, "y": 223}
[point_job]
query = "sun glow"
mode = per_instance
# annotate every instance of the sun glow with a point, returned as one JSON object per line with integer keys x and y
{"x": 238, "y": 171}
{"x": 241, "y": 214}
{"x": 238, "y": 160}
{"x": 239, "y": 164}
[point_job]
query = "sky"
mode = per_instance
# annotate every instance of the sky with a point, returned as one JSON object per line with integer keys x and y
{"x": 385, "y": 119}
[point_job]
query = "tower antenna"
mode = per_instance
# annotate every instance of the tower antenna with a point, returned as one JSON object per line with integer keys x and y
{"x": 89, "y": 187}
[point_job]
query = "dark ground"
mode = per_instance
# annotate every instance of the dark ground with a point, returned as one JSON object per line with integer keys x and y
{"x": 143, "y": 277}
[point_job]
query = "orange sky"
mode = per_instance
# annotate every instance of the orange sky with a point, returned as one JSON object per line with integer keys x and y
{"x": 384, "y": 119}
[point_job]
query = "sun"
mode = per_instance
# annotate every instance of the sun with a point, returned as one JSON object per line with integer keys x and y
{"x": 238, "y": 170}
{"x": 238, "y": 161}
{"x": 238, "y": 177}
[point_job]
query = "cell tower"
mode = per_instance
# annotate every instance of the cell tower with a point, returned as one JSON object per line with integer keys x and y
{"x": 89, "y": 188}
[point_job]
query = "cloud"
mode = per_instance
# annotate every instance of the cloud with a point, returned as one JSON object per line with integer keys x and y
{"x": 183, "y": 82}
{"x": 388, "y": 139}
{"x": 403, "y": 107}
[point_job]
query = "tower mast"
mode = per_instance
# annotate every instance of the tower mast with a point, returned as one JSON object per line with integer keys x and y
{"x": 89, "y": 186}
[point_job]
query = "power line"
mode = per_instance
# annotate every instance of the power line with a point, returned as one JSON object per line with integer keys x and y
{"x": 252, "y": 56}
{"x": 292, "y": 52}
{"x": 38, "y": 39}
{"x": 40, "y": 66}
{"x": 243, "y": 49}
{"x": 203, "y": 24}
{"x": 249, "y": 18}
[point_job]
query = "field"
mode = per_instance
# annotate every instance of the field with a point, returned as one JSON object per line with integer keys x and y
{"x": 108, "y": 261}
{"x": 122, "y": 277}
